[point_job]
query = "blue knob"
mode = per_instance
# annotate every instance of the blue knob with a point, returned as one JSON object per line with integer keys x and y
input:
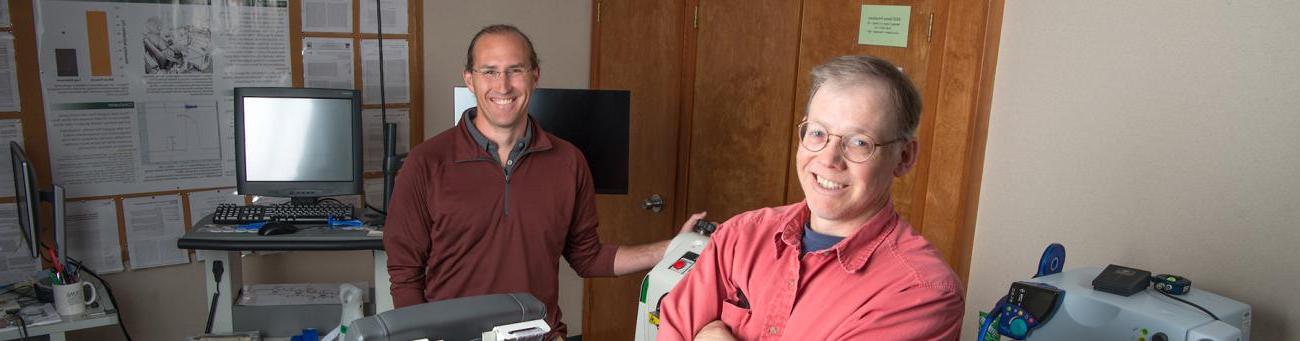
{"x": 1018, "y": 327}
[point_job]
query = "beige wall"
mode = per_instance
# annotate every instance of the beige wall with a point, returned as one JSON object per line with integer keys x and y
{"x": 1155, "y": 134}
{"x": 561, "y": 34}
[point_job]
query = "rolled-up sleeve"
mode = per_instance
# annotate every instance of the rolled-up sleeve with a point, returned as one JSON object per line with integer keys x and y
{"x": 406, "y": 234}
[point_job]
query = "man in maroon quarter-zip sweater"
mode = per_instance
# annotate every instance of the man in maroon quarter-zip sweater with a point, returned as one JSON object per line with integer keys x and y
{"x": 490, "y": 205}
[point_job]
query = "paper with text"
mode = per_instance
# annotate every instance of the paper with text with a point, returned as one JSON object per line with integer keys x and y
{"x": 327, "y": 16}
{"x": 92, "y": 234}
{"x": 394, "y": 16}
{"x": 10, "y": 131}
{"x": 327, "y": 63}
{"x": 372, "y": 132}
{"x": 397, "y": 88}
{"x": 16, "y": 261}
{"x": 153, "y": 225}
{"x": 9, "y": 98}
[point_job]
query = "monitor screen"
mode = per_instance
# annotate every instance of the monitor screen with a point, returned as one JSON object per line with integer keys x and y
{"x": 298, "y": 142}
{"x": 595, "y": 121}
{"x": 27, "y": 197}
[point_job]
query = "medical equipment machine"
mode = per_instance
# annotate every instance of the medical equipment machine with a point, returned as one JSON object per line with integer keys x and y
{"x": 499, "y": 317}
{"x": 1084, "y": 304}
{"x": 683, "y": 252}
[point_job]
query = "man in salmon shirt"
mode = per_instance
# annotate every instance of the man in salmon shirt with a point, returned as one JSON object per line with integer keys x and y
{"x": 841, "y": 265}
{"x": 490, "y": 205}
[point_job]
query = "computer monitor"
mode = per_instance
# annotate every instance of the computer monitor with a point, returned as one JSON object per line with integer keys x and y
{"x": 27, "y": 197}
{"x": 299, "y": 143}
{"x": 595, "y": 121}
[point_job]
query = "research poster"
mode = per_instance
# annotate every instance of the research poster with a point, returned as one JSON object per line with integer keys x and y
{"x": 138, "y": 94}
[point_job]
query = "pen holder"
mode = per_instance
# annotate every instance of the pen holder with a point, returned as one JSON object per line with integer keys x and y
{"x": 70, "y": 299}
{"x": 44, "y": 290}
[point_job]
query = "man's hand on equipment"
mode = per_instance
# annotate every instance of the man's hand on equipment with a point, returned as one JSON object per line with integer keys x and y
{"x": 690, "y": 222}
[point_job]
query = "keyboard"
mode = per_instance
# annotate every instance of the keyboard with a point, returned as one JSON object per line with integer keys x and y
{"x": 304, "y": 214}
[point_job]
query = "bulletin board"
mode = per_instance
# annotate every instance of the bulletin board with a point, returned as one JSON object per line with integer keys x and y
{"x": 128, "y": 104}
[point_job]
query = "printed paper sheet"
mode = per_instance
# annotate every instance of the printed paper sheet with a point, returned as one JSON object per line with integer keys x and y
{"x": 327, "y": 16}
{"x": 92, "y": 234}
{"x": 327, "y": 63}
{"x": 153, "y": 224}
{"x": 397, "y": 87}
{"x": 16, "y": 262}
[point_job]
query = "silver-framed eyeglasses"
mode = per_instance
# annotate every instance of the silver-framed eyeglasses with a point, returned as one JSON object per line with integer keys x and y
{"x": 508, "y": 73}
{"x": 857, "y": 148}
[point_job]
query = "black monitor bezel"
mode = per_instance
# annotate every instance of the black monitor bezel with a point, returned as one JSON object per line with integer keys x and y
{"x": 29, "y": 203}
{"x": 298, "y": 189}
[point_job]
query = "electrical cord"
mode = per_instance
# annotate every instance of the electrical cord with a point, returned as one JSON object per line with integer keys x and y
{"x": 376, "y": 209}
{"x": 217, "y": 271}
{"x": 988, "y": 319}
{"x": 1189, "y": 303}
{"x": 22, "y": 324}
{"x": 329, "y": 200}
{"x": 121, "y": 322}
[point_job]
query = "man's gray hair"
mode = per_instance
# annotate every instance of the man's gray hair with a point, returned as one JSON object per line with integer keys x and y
{"x": 862, "y": 70}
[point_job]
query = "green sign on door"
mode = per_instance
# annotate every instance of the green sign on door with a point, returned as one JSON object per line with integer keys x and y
{"x": 884, "y": 25}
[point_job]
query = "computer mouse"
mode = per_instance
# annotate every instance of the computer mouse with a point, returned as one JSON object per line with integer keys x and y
{"x": 276, "y": 227}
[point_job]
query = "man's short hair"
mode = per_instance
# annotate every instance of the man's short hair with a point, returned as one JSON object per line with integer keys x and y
{"x": 862, "y": 70}
{"x": 500, "y": 29}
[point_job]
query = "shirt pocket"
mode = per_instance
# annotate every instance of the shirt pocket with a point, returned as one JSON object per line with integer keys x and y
{"x": 735, "y": 317}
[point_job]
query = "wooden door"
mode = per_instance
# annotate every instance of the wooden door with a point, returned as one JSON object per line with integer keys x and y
{"x": 830, "y": 29}
{"x": 742, "y": 121}
{"x": 637, "y": 46}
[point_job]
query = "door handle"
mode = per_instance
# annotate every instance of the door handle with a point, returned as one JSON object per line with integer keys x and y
{"x": 654, "y": 203}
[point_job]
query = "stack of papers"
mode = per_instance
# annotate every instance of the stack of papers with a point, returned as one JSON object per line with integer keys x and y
{"x": 44, "y": 315}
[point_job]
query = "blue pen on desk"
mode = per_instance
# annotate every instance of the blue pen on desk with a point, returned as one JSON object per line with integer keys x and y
{"x": 344, "y": 223}
{"x": 253, "y": 226}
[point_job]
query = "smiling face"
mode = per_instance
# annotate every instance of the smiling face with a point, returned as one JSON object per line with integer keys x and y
{"x": 502, "y": 80}
{"x": 842, "y": 194}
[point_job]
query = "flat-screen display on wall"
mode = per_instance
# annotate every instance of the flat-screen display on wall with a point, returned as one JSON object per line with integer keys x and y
{"x": 595, "y": 121}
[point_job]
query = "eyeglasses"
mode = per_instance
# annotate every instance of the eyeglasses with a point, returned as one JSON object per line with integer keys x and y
{"x": 857, "y": 148}
{"x": 510, "y": 73}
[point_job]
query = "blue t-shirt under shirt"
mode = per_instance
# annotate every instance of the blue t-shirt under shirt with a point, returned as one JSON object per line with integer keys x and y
{"x": 813, "y": 241}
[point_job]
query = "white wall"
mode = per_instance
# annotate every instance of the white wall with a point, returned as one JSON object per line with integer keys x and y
{"x": 1160, "y": 135}
{"x": 560, "y": 31}
{"x": 561, "y": 34}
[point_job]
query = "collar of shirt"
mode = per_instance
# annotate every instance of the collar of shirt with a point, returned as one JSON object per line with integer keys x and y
{"x": 855, "y": 249}
{"x": 480, "y": 144}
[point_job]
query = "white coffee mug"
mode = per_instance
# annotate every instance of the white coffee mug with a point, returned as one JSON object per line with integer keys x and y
{"x": 70, "y": 299}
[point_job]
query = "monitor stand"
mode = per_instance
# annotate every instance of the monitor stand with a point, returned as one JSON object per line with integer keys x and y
{"x": 56, "y": 196}
{"x": 303, "y": 201}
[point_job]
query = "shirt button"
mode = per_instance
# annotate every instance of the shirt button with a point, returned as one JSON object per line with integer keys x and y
{"x": 792, "y": 283}
{"x": 772, "y": 330}
{"x": 510, "y": 162}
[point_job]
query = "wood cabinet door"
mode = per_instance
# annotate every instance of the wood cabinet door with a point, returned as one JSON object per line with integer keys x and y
{"x": 743, "y": 103}
{"x": 637, "y": 46}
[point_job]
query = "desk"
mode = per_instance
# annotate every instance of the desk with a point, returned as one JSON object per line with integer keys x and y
{"x": 102, "y": 315}
{"x": 217, "y": 246}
